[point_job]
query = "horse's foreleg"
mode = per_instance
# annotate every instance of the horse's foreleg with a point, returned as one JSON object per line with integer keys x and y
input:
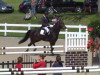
{"x": 34, "y": 48}
{"x": 28, "y": 46}
{"x": 52, "y": 50}
{"x": 51, "y": 46}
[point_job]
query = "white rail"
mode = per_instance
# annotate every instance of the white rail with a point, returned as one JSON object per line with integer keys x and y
{"x": 50, "y": 68}
{"x": 34, "y": 52}
{"x": 25, "y": 47}
{"x": 29, "y": 26}
{"x": 50, "y": 71}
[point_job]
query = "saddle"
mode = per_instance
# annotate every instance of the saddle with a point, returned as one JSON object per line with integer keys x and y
{"x": 45, "y": 31}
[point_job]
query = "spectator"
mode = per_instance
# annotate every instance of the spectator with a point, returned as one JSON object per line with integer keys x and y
{"x": 41, "y": 3}
{"x": 40, "y": 64}
{"x": 19, "y": 65}
{"x": 31, "y": 12}
{"x": 27, "y": 9}
{"x": 33, "y": 8}
{"x": 57, "y": 63}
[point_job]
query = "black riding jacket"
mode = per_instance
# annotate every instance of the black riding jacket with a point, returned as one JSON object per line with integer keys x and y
{"x": 45, "y": 21}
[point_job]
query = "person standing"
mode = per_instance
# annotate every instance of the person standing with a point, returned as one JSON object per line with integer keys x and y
{"x": 19, "y": 65}
{"x": 27, "y": 6}
{"x": 41, "y": 63}
{"x": 57, "y": 63}
{"x": 33, "y": 8}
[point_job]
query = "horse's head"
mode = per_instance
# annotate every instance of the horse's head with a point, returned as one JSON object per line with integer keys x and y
{"x": 58, "y": 23}
{"x": 62, "y": 25}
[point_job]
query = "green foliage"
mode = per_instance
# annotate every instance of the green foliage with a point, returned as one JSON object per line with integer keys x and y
{"x": 95, "y": 24}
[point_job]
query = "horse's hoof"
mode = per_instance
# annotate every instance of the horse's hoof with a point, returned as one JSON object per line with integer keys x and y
{"x": 27, "y": 50}
{"x": 35, "y": 49}
{"x": 52, "y": 53}
{"x": 48, "y": 52}
{"x": 44, "y": 51}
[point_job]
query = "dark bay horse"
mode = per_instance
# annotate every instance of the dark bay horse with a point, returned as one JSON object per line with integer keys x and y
{"x": 35, "y": 35}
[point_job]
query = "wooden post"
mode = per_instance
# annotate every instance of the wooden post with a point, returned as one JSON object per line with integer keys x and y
{"x": 7, "y": 64}
{"x": 13, "y": 64}
{"x": 50, "y": 63}
{"x": 46, "y": 62}
{"x": 3, "y": 64}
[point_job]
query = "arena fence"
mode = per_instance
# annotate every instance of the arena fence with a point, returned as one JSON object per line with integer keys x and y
{"x": 26, "y": 64}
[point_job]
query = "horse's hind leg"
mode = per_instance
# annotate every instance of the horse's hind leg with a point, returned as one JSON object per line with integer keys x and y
{"x": 28, "y": 46}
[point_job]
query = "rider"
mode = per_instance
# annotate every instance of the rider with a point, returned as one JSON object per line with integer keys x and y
{"x": 45, "y": 24}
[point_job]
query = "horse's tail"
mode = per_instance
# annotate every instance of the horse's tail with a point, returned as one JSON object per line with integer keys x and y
{"x": 26, "y": 37}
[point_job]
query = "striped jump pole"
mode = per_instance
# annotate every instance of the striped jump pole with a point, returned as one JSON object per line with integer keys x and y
{"x": 24, "y": 47}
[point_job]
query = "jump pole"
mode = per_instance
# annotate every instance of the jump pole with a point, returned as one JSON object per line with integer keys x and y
{"x": 50, "y": 71}
{"x": 24, "y": 47}
{"x": 51, "y": 68}
{"x": 34, "y": 52}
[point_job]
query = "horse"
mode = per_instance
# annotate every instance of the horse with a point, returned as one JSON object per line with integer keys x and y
{"x": 35, "y": 35}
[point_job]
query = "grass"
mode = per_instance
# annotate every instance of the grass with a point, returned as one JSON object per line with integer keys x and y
{"x": 76, "y": 19}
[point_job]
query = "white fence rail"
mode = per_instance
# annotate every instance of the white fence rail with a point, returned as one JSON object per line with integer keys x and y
{"x": 29, "y": 26}
{"x": 24, "y": 47}
{"x": 50, "y": 68}
{"x": 47, "y": 70}
{"x": 73, "y": 40}
{"x": 35, "y": 52}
